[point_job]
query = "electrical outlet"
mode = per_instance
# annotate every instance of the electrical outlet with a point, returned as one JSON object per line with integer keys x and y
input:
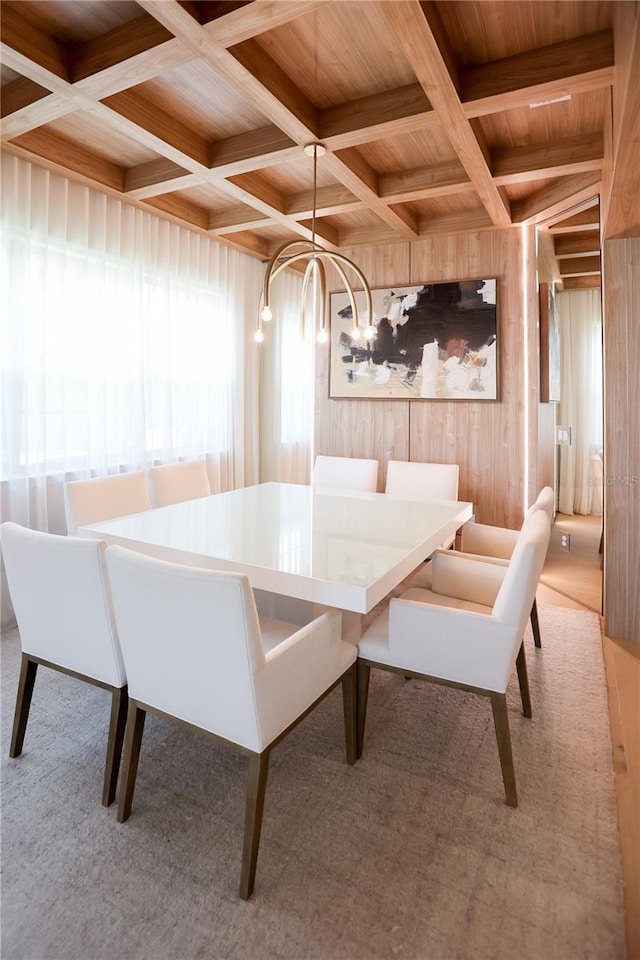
{"x": 565, "y": 540}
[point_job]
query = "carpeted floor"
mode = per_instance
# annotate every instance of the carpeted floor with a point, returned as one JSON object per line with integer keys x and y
{"x": 411, "y": 853}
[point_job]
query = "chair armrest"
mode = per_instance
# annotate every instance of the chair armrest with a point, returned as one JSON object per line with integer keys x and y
{"x": 298, "y": 671}
{"x": 460, "y": 645}
{"x": 488, "y": 541}
{"x": 466, "y": 577}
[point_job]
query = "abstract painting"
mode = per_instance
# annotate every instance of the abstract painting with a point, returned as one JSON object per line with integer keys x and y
{"x": 428, "y": 341}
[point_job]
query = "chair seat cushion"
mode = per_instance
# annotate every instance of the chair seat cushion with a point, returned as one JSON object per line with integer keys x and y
{"x": 275, "y": 631}
{"x": 441, "y": 600}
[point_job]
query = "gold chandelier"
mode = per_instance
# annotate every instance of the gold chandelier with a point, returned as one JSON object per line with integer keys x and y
{"x": 315, "y": 275}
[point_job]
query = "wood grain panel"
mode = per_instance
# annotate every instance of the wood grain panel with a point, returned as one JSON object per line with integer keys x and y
{"x": 486, "y": 439}
{"x": 546, "y": 465}
{"x": 622, "y": 450}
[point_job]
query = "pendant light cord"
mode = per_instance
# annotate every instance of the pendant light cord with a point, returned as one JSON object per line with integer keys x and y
{"x": 315, "y": 178}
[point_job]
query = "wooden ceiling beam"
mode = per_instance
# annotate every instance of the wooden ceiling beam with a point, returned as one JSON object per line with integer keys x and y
{"x": 273, "y": 93}
{"x": 140, "y": 49}
{"x": 19, "y": 94}
{"x": 555, "y": 158}
{"x": 22, "y": 40}
{"x": 255, "y": 18}
{"x": 579, "y": 266}
{"x": 577, "y": 244}
{"x": 555, "y": 197}
{"x": 462, "y": 221}
{"x": 417, "y": 27}
{"x": 572, "y": 67}
{"x": 391, "y": 113}
{"x": 440, "y": 180}
{"x": 185, "y": 210}
{"x": 127, "y": 42}
{"x": 330, "y": 200}
{"x": 38, "y": 57}
{"x": 239, "y": 218}
{"x": 352, "y": 170}
{"x": 581, "y": 283}
{"x": 71, "y": 156}
{"x": 253, "y": 150}
{"x": 248, "y": 242}
{"x": 365, "y": 236}
{"x": 257, "y": 187}
{"x": 326, "y": 233}
{"x": 584, "y": 220}
{"x": 158, "y": 176}
{"x": 160, "y": 124}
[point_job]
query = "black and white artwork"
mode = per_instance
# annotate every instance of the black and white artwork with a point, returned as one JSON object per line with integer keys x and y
{"x": 431, "y": 341}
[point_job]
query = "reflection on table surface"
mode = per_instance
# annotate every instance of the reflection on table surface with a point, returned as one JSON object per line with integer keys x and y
{"x": 279, "y": 533}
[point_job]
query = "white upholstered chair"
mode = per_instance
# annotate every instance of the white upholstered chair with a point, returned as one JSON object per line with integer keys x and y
{"x": 61, "y": 600}
{"x": 497, "y": 543}
{"x": 345, "y": 473}
{"x": 197, "y": 652}
{"x": 103, "y": 498}
{"x": 466, "y": 632}
{"x": 175, "y": 482}
{"x": 412, "y": 480}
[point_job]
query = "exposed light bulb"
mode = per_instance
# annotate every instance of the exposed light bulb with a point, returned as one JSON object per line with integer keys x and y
{"x": 322, "y": 336}
{"x": 369, "y": 333}
{"x": 355, "y": 333}
{"x": 258, "y": 336}
{"x": 265, "y": 314}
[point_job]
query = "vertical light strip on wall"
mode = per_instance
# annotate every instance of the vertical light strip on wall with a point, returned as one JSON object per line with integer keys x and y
{"x": 525, "y": 378}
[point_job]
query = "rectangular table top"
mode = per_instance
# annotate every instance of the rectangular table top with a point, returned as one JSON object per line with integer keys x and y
{"x": 343, "y": 549}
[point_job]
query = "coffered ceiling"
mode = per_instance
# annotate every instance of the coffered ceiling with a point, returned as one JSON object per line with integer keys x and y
{"x": 437, "y": 117}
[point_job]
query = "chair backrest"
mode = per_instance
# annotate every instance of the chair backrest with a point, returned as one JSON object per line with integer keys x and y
{"x": 345, "y": 473}
{"x": 174, "y": 482}
{"x": 546, "y": 500}
{"x": 515, "y": 597}
{"x": 103, "y": 498}
{"x": 61, "y": 599}
{"x": 422, "y": 481}
{"x": 190, "y": 640}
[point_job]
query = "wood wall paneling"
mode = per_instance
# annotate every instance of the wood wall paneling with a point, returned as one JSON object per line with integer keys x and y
{"x": 547, "y": 450}
{"x": 622, "y": 448}
{"x": 487, "y": 439}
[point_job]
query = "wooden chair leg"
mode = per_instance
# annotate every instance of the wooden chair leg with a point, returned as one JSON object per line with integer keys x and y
{"x": 363, "y": 673}
{"x": 523, "y": 680}
{"x": 117, "y": 722}
{"x": 535, "y": 626}
{"x": 132, "y": 743}
{"x": 349, "y": 704}
{"x": 501, "y": 723}
{"x": 256, "y": 789}
{"x": 28, "y": 670}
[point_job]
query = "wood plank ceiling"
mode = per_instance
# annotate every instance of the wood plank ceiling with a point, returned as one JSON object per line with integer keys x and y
{"x": 437, "y": 116}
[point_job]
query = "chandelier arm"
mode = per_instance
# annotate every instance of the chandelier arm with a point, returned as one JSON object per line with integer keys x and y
{"x": 273, "y": 270}
{"x": 361, "y": 277}
{"x": 305, "y": 290}
{"x": 322, "y": 293}
{"x": 281, "y": 259}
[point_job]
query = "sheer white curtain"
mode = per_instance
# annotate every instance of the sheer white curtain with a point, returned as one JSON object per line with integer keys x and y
{"x": 124, "y": 340}
{"x": 580, "y": 320}
{"x": 286, "y": 388}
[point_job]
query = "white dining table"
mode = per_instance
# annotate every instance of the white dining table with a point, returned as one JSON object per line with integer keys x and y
{"x": 334, "y": 548}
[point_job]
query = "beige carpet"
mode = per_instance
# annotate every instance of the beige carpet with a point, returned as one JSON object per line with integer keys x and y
{"x": 411, "y": 853}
